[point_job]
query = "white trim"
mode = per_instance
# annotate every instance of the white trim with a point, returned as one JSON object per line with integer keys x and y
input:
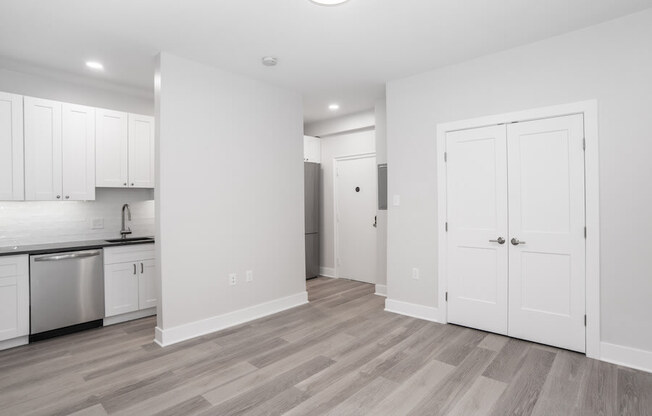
{"x": 592, "y": 197}
{"x": 169, "y": 336}
{"x": 427, "y": 313}
{"x": 14, "y": 342}
{"x": 626, "y": 356}
{"x": 381, "y": 290}
{"x": 327, "y": 272}
{"x": 112, "y": 320}
{"x": 337, "y": 159}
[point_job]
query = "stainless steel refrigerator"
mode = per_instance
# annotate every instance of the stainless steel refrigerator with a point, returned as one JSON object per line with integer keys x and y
{"x": 311, "y": 194}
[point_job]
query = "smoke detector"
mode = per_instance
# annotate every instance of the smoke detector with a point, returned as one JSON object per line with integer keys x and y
{"x": 269, "y": 60}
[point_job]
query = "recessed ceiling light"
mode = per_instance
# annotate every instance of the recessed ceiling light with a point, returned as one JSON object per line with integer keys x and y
{"x": 94, "y": 65}
{"x": 334, "y": 107}
{"x": 328, "y": 2}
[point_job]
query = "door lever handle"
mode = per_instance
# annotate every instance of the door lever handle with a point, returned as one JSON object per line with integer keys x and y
{"x": 515, "y": 241}
{"x": 500, "y": 240}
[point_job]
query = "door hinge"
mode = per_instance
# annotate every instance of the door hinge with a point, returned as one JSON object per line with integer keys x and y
{"x": 584, "y": 320}
{"x": 447, "y": 226}
{"x": 446, "y": 296}
{"x": 585, "y": 232}
{"x": 445, "y": 156}
{"x": 584, "y": 144}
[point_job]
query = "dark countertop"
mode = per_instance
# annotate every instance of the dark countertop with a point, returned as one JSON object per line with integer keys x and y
{"x": 67, "y": 246}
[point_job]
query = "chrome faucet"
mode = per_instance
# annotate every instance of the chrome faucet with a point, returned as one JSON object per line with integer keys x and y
{"x": 125, "y": 231}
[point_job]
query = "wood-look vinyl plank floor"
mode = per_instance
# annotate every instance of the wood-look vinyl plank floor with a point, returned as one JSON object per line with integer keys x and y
{"x": 341, "y": 354}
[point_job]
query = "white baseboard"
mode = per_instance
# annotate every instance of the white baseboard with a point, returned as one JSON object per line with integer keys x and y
{"x": 169, "y": 336}
{"x": 381, "y": 290}
{"x": 112, "y": 320}
{"x": 327, "y": 272}
{"x": 14, "y": 342}
{"x": 427, "y": 313}
{"x": 626, "y": 356}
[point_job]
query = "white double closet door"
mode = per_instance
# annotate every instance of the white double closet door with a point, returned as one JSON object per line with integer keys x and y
{"x": 516, "y": 230}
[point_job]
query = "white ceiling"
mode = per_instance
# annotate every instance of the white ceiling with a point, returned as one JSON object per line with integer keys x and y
{"x": 341, "y": 54}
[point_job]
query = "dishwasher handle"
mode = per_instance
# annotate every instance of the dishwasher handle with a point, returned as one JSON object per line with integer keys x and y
{"x": 69, "y": 256}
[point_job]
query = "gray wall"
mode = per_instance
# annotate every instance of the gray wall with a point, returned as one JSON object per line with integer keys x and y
{"x": 611, "y": 62}
{"x": 230, "y": 192}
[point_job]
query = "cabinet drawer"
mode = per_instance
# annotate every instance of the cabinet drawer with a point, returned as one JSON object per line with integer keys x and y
{"x": 124, "y": 254}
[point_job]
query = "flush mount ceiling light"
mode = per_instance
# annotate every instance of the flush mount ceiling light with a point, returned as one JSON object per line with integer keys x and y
{"x": 270, "y": 60}
{"x": 328, "y": 2}
{"x": 95, "y": 65}
{"x": 334, "y": 107}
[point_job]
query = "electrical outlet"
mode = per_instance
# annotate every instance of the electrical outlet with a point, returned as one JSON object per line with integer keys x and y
{"x": 97, "y": 223}
{"x": 233, "y": 279}
{"x": 415, "y": 273}
{"x": 396, "y": 200}
{"x": 250, "y": 276}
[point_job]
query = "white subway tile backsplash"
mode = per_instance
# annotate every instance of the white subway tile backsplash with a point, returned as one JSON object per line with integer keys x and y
{"x": 37, "y": 222}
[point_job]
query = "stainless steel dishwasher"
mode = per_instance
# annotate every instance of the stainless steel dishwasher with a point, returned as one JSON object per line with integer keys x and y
{"x": 66, "y": 292}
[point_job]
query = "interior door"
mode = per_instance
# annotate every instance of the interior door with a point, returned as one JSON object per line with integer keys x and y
{"x": 42, "y": 150}
{"x": 477, "y": 228}
{"x": 546, "y": 222}
{"x": 141, "y": 151}
{"x": 355, "y": 219}
{"x": 78, "y": 144}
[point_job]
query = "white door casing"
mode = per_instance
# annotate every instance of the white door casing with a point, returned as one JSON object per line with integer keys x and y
{"x": 355, "y": 234}
{"x": 589, "y": 111}
{"x": 546, "y": 214}
{"x": 477, "y": 228}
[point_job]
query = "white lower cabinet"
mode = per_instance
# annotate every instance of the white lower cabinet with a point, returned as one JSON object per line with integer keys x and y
{"x": 130, "y": 283}
{"x": 14, "y": 301}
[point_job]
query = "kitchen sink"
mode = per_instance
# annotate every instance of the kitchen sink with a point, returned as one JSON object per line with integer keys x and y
{"x": 129, "y": 240}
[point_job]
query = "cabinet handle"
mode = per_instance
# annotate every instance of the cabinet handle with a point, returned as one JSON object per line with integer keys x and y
{"x": 134, "y": 268}
{"x": 132, "y": 184}
{"x": 125, "y": 184}
{"x": 142, "y": 268}
{"x": 67, "y": 196}
{"x": 58, "y": 196}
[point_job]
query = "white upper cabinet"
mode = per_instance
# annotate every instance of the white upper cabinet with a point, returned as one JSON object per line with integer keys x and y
{"x": 125, "y": 150}
{"x": 43, "y": 180}
{"x": 111, "y": 160}
{"x": 12, "y": 179}
{"x": 78, "y": 152}
{"x": 141, "y": 151}
{"x": 59, "y": 151}
{"x": 311, "y": 149}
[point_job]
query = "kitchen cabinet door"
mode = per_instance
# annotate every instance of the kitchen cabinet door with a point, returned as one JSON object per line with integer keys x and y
{"x": 12, "y": 179}
{"x": 14, "y": 297}
{"x": 147, "y": 290}
{"x": 141, "y": 151}
{"x": 43, "y": 180}
{"x": 78, "y": 153}
{"x": 111, "y": 149}
{"x": 121, "y": 283}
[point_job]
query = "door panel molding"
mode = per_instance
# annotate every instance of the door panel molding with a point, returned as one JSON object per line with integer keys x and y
{"x": 589, "y": 109}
